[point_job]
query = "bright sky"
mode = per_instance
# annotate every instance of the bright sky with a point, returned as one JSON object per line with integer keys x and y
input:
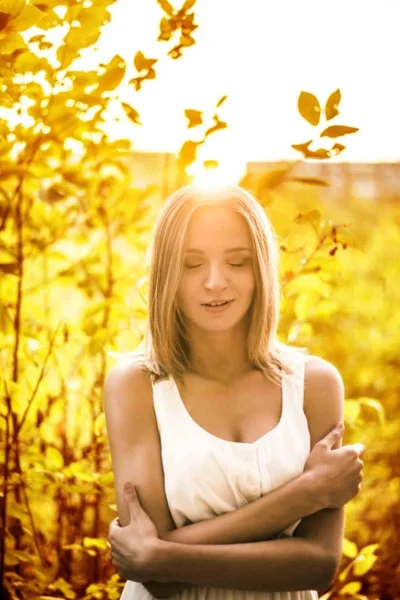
{"x": 262, "y": 53}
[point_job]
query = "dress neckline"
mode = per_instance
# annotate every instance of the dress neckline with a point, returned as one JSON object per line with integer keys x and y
{"x": 219, "y": 440}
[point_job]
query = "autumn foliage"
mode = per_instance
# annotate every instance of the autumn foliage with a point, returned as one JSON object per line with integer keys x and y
{"x": 74, "y": 231}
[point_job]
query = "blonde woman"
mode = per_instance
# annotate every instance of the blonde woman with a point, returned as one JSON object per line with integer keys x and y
{"x": 229, "y": 436}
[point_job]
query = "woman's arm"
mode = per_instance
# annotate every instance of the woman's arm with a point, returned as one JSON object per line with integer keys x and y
{"x": 307, "y": 561}
{"x": 260, "y": 520}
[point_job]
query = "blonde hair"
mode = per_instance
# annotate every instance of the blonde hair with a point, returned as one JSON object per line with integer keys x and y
{"x": 165, "y": 350}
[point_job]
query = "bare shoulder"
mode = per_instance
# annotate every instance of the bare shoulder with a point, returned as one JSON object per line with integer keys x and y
{"x": 323, "y": 396}
{"x": 127, "y": 384}
{"x": 320, "y": 376}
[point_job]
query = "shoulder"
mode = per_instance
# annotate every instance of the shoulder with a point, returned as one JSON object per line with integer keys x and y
{"x": 323, "y": 396}
{"x": 127, "y": 384}
{"x": 320, "y": 373}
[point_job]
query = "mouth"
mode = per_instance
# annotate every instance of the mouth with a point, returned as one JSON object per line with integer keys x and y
{"x": 220, "y": 303}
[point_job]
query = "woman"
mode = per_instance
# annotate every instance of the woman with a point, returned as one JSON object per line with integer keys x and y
{"x": 228, "y": 435}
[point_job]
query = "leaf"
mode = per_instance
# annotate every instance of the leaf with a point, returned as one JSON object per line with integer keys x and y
{"x": 113, "y": 76}
{"x": 187, "y": 5}
{"x": 218, "y": 125}
{"x": 302, "y": 147}
{"x": 309, "y": 108}
{"x": 375, "y": 405}
{"x": 188, "y": 152}
{"x": 221, "y": 101}
{"x": 54, "y": 458}
{"x": 331, "y": 106}
{"x": 165, "y": 30}
{"x": 11, "y": 42}
{"x": 210, "y": 164}
{"x": 187, "y": 40}
{"x": 6, "y": 68}
{"x": 335, "y": 131}
{"x": 131, "y": 113}
{"x": 370, "y": 549}
{"x": 349, "y": 548}
{"x": 65, "y": 587}
{"x": 12, "y": 7}
{"x": 89, "y": 542}
{"x": 363, "y": 564}
{"x": 351, "y": 588}
{"x": 194, "y": 116}
{"x": 310, "y": 181}
{"x": 29, "y": 16}
{"x": 313, "y": 217}
{"x": 141, "y": 62}
{"x": 166, "y": 6}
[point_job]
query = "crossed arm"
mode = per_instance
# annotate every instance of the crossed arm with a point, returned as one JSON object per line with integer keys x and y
{"x": 234, "y": 550}
{"x": 231, "y": 550}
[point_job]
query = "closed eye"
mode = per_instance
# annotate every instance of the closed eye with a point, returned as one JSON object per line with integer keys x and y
{"x": 231, "y": 264}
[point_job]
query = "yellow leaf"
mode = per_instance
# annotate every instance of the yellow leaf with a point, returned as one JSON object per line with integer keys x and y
{"x": 370, "y": 549}
{"x": 349, "y": 548}
{"x": 351, "y": 588}
{"x": 141, "y": 62}
{"x": 54, "y": 458}
{"x": 29, "y": 16}
{"x": 11, "y": 7}
{"x": 131, "y": 113}
{"x": 194, "y": 116}
{"x": 10, "y": 42}
{"x": 89, "y": 542}
{"x": 362, "y": 564}
{"x": 113, "y": 76}
{"x": 99, "y": 424}
{"x": 309, "y": 108}
{"x": 6, "y": 68}
{"x": 375, "y": 405}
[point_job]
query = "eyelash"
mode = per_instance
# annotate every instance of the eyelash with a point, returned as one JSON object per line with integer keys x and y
{"x": 232, "y": 265}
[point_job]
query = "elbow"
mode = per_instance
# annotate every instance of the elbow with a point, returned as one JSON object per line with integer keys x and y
{"x": 155, "y": 589}
{"x": 326, "y": 572}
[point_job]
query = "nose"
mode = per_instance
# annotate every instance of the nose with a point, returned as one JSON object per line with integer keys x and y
{"x": 215, "y": 278}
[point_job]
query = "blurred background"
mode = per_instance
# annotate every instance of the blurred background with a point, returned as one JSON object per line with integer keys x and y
{"x": 106, "y": 107}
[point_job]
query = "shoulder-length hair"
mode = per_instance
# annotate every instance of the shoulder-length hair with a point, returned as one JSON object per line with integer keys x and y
{"x": 164, "y": 350}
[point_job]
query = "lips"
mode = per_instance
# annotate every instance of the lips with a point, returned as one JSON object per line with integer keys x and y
{"x": 224, "y": 302}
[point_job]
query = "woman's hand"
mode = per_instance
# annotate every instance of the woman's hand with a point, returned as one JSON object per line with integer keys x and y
{"x": 133, "y": 547}
{"x": 336, "y": 474}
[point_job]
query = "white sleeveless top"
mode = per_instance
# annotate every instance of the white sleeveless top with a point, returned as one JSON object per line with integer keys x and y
{"x": 206, "y": 476}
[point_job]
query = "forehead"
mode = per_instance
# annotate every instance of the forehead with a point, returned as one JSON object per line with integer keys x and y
{"x": 218, "y": 224}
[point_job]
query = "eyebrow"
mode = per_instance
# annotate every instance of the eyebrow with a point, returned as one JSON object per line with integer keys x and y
{"x": 236, "y": 249}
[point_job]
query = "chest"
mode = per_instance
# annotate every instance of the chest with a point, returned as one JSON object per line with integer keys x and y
{"x": 240, "y": 413}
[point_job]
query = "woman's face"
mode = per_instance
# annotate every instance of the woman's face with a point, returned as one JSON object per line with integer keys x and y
{"x": 213, "y": 271}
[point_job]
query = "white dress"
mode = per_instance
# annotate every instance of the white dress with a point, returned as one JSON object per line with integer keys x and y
{"x": 206, "y": 476}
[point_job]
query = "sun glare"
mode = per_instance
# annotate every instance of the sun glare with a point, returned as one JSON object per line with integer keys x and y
{"x": 212, "y": 177}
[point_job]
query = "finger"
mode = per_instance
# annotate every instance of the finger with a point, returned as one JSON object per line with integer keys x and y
{"x": 113, "y": 527}
{"x": 131, "y": 499}
{"x": 360, "y": 448}
{"x": 335, "y": 434}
